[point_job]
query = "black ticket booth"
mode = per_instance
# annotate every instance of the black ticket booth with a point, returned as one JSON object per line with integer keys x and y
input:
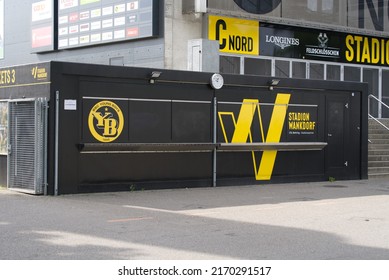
{"x": 71, "y": 128}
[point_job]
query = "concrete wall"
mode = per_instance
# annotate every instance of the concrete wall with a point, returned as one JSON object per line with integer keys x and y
{"x": 179, "y": 29}
{"x": 169, "y": 50}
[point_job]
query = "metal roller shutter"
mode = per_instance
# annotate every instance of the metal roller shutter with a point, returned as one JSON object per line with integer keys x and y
{"x": 27, "y": 145}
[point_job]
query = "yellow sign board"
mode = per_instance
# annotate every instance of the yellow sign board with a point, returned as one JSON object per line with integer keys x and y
{"x": 235, "y": 35}
{"x": 243, "y": 125}
{"x": 367, "y": 50}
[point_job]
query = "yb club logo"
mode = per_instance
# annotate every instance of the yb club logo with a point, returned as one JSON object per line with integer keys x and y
{"x": 106, "y": 121}
{"x": 242, "y": 134}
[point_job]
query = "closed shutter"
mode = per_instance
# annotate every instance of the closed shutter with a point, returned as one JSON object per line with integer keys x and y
{"x": 27, "y": 145}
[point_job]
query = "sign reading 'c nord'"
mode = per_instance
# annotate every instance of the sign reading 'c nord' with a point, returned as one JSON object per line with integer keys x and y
{"x": 234, "y": 35}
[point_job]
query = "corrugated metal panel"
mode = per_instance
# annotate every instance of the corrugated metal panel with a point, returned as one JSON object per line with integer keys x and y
{"x": 26, "y": 161}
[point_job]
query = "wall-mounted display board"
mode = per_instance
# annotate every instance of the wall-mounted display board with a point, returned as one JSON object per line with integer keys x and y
{"x": 92, "y": 22}
{"x": 42, "y": 26}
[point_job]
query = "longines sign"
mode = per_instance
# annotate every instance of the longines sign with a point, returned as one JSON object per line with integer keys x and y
{"x": 282, "y": 42}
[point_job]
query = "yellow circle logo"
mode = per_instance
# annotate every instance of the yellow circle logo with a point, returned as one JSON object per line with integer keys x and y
{"x": 106, "y": 121}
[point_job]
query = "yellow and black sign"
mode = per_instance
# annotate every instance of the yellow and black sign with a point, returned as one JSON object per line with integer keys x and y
{"x": 250, "y": 37}
{"x": 243, "y": 126}
{"x": 106, "y": 121}
{"x": 301, "y": 122}
{"x": 25, "y": 75}
{"x": 7, "y": 77}
{"x": 235, "y": 35}
{"x": 368, "y": 50}
{"x": 39, "y": 73}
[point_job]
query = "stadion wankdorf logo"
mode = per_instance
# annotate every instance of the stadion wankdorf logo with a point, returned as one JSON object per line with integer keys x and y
{"x": 282, "y": 42}
{"x": 322, "y": 49}
{"x": 106, "y": 121}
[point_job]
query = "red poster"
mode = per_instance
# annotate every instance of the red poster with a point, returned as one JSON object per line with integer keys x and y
{"x": 42, "y": 37}
{"x": 132, "y": 32}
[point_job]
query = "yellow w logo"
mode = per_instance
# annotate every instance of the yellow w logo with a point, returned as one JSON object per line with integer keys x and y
{"x": 243, "y": 133}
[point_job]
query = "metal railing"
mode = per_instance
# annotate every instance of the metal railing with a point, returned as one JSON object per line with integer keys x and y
{"x": 372, "y": 97}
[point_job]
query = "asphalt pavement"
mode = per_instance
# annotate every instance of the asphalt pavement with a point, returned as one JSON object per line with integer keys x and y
{"x": 342, "y": 220}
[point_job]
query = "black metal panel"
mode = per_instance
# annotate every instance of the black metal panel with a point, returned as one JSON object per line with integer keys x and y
{"x": 126, "y": 170}
{"x": 337, "y": 135}
{"x": 150, "y": 121}
{"x": 307, "y": 119}
{"x": 177, "y": 109}
{"x": 191, "y": 122}
{"x": 27, "y": 81}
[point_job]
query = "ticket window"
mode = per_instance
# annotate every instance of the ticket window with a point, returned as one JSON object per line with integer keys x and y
{"x": 261, "y": 67}
{"x": 333, "y": 72}
{"x": 316, "y": 71}
{"x": 282, "y": 68}
{"x": 352, "y": 74}
{"x": 229, "y": 64}
{"x": 370, "y": 76}
{"x": 299, "y": 70}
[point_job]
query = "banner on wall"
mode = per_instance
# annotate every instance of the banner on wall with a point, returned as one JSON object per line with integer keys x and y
{"x": 250, "y": 37}
{"x": 42, "y": 22}
{"x": 19, "y": 76}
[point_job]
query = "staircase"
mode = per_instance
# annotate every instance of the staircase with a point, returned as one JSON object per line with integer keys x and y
{"x": 378, "y": 149}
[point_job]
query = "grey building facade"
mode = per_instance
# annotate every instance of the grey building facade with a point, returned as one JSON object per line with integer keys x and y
{"x": 110, "y": 32}
{"x": 303, "y": 41}
{"x": 308, "y": 39}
